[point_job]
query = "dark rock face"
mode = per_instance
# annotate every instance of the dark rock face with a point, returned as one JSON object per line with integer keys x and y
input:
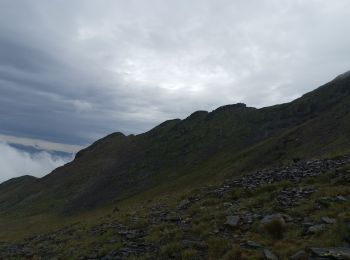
{"x": 292, "y": 197}
{"x": 294, "y": 173}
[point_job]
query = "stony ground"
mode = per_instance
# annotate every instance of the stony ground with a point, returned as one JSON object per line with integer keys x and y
{"x": 300, "y": 211}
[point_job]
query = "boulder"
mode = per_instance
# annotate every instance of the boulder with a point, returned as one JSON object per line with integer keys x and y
{"x": 300, "y": 255}
{"x": 341, "y": 198}
{"x": 252, "y": 244}
{"x": 232, "y": 221}
{"x": 274, "y": 225}
{"x": 287, "y": 218}
{"x": 184, "y": 204}
{"x": 316, "y": 229}
{"x": 268, "y": 255}
{"x": 328, "y": 220}
{"x": 273, "y": 218}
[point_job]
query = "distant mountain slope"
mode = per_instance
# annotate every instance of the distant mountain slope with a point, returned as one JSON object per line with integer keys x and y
{"x": 233, "y": 137}
{"x": 36, "y": 150}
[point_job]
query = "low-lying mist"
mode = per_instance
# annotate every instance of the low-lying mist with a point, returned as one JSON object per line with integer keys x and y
{"x": 15, "y": 162}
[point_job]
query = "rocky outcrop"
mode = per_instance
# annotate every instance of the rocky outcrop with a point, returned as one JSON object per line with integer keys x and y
{"x": 132, "y": 239}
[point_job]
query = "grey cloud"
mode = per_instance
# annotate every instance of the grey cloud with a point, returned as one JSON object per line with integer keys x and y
{"x": 73, "y": 73}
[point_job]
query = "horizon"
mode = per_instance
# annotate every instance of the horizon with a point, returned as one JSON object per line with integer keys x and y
{"x": 80, "y": 71}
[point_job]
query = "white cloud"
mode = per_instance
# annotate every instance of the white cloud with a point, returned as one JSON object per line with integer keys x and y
{"x": 82, "y": 106}
{"x": 15, "y": 163}
{"x": 40, "y": 144}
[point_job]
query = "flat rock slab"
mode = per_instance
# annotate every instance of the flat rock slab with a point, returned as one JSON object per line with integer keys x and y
{"x": 252, "y": 244}
{"x": 341, "y": 198}
{"x": 300, "y": 255}
{"x": 268, "y": 255}
{"x": 340, "y": 253}
{"x": 328, "y": 220}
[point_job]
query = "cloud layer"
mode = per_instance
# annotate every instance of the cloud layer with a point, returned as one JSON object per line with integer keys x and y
{"x": 16, "y": 163}
{"x": 40, "y": 144}
{"x": 71, "y": 73}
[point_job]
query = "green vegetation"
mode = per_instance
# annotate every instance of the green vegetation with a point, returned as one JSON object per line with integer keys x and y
{"x": 201, "y": 231}
{"x": 124, "y": 191}
{"x": 275, "y": 229}
{"x": 203, "y": 148}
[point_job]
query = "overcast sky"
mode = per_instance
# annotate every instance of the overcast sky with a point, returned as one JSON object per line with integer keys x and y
{"x": 74, "y": 71}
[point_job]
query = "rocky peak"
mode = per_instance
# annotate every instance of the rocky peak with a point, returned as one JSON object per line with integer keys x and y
{"x": 343, "y": 75}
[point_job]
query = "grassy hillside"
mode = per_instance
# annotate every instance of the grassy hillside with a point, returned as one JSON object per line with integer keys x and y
{"x": 201, "y": 148}
{"x": 169, "y": 193}
{"x": 300, "y": 208}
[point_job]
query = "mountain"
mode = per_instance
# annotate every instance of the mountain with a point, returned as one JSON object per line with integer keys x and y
{"x": 179, "y": 154}
{"x": 234, "y": 183}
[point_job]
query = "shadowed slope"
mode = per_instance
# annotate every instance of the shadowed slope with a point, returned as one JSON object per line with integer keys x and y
{"x": 119, "y": 166}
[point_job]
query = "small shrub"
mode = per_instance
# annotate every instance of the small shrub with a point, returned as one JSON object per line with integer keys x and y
{"x": 164, "y": 233}
{"x": 217, "y": 247}
{"x": 260, "y": 200}
{"x": 255, "y": 227}
{"x": 202, "y": 229}
{"x": 339, "y": 233}
{"x": 140, "y": 223}
{"x": 190, "y": 254}
{"x": 237, "y": 194}
{"x": 268, "y": 188}
{"x": 171, "y": 250}
{"x": 210, "y": 202}
{"x": 233, "y": 254}
{"x": 310, "y": 181}
{"x": 154, "y": 236}
{"x": 275, "y": 228}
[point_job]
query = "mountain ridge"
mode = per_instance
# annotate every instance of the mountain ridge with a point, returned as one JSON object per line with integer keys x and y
{"x": 119, "y": 166}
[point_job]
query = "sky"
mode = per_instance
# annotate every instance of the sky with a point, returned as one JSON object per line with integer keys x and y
{"x": 73, "y": 71}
